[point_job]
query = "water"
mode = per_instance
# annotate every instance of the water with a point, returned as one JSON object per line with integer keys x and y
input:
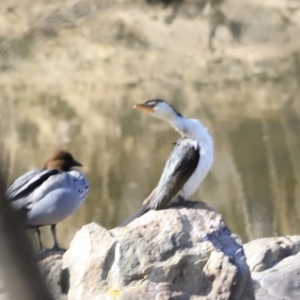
{"x": 254, "y": 182}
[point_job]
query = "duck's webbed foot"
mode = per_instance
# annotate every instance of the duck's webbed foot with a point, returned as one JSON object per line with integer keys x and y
{"x": 41, "y": 247}
{"x": 57, "y": 248}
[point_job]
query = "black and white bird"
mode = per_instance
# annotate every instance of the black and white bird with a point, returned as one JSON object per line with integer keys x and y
{"x": 188, "y": 163}
{"x": 49, "y": 195}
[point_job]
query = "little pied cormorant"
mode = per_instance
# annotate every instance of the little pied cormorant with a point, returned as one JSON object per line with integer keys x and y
{"x": 188, "y": 163}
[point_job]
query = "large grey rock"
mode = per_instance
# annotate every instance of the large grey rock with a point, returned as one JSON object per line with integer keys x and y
{"x": 275, "y": 266}
{"x": 177, "y": 253}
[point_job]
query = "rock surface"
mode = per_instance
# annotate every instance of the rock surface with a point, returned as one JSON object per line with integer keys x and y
{"x": 178, "y": 253}
{"x": 50, "y": 265}
{"x": 275, "y": 267}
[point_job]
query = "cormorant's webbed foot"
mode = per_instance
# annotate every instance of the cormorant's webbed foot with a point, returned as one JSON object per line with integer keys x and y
{"x": 181, "y": 200}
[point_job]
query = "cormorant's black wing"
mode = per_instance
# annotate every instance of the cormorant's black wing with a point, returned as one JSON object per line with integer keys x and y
{"x": 25, "y": 184}
{"x": 180, "y": 166}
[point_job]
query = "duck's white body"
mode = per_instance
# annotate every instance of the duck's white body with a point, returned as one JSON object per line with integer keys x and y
{"x": 55, "y": 199}
{"x": 50, "y": 195}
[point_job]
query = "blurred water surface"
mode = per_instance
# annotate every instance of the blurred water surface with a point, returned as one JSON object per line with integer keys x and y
{"x": 254, "y": 182}
{"x": 70, "y": 72}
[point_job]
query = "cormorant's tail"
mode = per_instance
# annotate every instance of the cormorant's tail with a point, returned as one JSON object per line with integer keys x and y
{"x": 137, "y": 214}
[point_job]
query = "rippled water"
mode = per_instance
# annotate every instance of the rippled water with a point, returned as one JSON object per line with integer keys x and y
{"x": 254, "y": 182}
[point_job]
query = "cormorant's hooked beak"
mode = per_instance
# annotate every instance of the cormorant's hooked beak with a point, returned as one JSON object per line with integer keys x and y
{"x": 76, "y": 164}
{"x": 144, "y": 107}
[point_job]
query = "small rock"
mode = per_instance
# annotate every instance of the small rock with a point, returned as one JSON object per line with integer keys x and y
{"x": 264, "y": 253}
{"x": 275, "y": 265}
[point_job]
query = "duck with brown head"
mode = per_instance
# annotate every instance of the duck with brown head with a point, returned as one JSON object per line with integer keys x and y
{"x": 49, "y": 195}
{"x": 62, "y": 161}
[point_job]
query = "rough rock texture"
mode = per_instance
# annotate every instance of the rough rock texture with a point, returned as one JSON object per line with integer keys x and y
{"x": 178, "y": 253}
{"x": 173, "y": 254}
{"x": 275, "y": 266}
{"x": 50, "y": 265}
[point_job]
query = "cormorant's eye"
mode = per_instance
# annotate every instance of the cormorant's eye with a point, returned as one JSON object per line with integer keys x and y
{"x": 151, "y": 103}
{"x": 154, "y": 102}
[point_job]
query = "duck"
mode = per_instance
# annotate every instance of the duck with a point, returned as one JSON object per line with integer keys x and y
{"x": 188, "y": 164}
{"x": 47, "y": 196}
